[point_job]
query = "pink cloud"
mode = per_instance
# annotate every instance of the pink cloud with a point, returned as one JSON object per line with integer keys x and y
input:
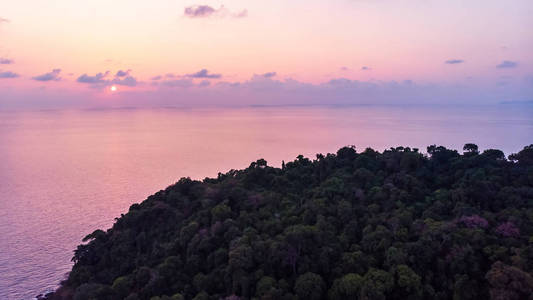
{"x": 204, "y": 11}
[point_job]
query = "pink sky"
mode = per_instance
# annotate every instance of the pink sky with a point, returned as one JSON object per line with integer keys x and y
{"x": 375, "y": 51}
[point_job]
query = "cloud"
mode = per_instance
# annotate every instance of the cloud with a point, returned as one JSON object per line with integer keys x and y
{"x": 100, "y": 79}
{"x": 507, "y": 64}
{"x": 5, "y": 61}
{"x": 8, "y": 74}
{"x": 345, "y": 69}
{"x": 339, "y": 81}
{"x": 454, "y": 61}
{"x": 269, "y": 74}
{"x": 96, "y": 79}
{"x": 181, "y": 83}
{"x": 205, "y": 11}
{"x": 54, "y": 75}
{"x": 126, "y": 81}
{"x": 4, "y": 20}
{"x": 121, "y": 73}
{"x": 365, "y": 68}
{"x": 242, "y": 14}
{"x": 199, "y": 11}
{"x": 203, "y": 73}
{"x": 204, "y": 83}
{"x": 260, "y": 90}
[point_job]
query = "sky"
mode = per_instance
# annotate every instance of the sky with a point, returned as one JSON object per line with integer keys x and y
{"x": 69, "y": 53}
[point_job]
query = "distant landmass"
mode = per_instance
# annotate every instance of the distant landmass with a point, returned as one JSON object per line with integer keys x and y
{"x": 392, "y": 225}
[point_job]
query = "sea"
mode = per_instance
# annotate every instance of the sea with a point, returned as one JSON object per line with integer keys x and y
{"x": 65, "y": 173}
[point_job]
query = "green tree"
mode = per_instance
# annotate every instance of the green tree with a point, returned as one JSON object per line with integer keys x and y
{"x": 122, "y": 286}
{"x": 347, "y": 287}
{"x": 309, "y": 286}
{"x": 408, "y": 282}
{"x": 376, "y": 284}
{"x": 471, "y": 149}
{"x": 509, "y": 282}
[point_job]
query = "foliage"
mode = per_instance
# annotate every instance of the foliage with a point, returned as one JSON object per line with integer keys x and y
{"x": 309, "y": 286}
{"x": 369, "y": 225}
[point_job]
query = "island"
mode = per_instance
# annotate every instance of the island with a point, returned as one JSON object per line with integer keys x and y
{"x": 397, "y": 224}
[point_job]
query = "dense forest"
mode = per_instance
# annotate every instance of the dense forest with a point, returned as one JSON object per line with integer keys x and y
{"x": 393, "y": 225}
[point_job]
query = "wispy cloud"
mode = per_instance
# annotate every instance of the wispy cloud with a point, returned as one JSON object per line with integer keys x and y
{"x": 204, "y": 11}
{"x": 203, "y": 73}
{"x": 121, "y": 73}
{"x": 242, "y": 14}
{"x": 8, "y": 74}
{"x": 507, "y": 64}
{"x": 199, "y": 11}
{"x": 5, "y": 61}
{"x": 454, "y": 61}
{"x": 54, "y": 75}
{"x": 204, "y": 83}
{"x": 365, "y": 68}
{"x": 182, "y": 83}
{"x": 158, "y": 77}
{"x": 4, "y": 20}
{"x": 269, "y": 74}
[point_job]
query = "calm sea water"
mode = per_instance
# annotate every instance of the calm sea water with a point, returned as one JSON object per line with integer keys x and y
{"x": 64, "y": 174}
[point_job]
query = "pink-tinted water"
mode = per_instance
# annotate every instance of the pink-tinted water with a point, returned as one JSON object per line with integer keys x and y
{"x": 65, "y": 173}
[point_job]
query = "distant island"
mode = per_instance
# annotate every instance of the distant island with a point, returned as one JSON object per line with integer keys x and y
{"x": 392, "y": 225}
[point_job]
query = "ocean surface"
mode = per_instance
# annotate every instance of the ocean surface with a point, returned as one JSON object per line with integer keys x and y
{"x": 65, "y": 173}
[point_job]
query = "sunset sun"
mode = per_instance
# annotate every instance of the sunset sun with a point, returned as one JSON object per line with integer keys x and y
{"x": 113, "y": 88}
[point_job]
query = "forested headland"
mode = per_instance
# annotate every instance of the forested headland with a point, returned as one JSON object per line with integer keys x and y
{"x": 396, "y": 224}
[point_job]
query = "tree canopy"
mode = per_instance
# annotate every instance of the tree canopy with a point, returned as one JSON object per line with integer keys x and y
{"x": 392, "y": 225}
